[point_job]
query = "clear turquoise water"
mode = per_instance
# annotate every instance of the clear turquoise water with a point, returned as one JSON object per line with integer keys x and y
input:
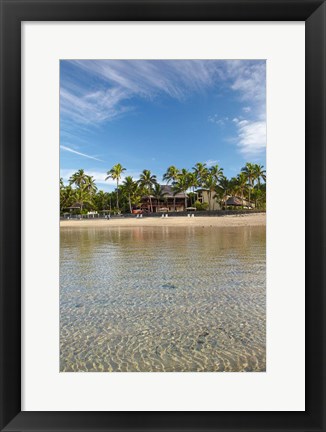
{"x": 163, "y": 299}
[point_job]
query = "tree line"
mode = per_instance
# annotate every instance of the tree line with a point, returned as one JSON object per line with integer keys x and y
{"x": 249, "y": 185}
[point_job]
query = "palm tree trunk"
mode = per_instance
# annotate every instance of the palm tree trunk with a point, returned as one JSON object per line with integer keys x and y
{"x": 118, "y": 194}
{"x": 130, "y": 204}
{"x": 185, "y": 201}
{"x": 250, "y": 186}
{"x": 150, "y": 202}
{"x": 174, "y": 203}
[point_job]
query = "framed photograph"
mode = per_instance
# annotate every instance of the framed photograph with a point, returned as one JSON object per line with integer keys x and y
{"x": 162, "y": 215}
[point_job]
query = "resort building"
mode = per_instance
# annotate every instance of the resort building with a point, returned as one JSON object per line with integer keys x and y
{"x": 203, "y": 197}
{"x": 169, "y": 201}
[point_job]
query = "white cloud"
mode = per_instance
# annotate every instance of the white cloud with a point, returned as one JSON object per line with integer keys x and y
{"x": 92, "y": 108}
{"x": 211, "y": 162}
{"x": 220, "y": 121}
{"x": 121, "y": 80}
{"x": 68, "y": 149}
{"x": 149, "y": 78}
{"x": 108, "y": 87}
{"x": 251, "y": 136}
{"x": 248, "y": 78}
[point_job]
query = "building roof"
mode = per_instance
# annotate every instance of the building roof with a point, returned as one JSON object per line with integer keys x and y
{"x": 237, "y": 201}
{"x": 167, "y": 190}
{"x": 76, "y": 205}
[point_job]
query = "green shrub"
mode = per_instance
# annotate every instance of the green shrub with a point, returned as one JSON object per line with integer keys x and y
{"x": 201, "y": 206}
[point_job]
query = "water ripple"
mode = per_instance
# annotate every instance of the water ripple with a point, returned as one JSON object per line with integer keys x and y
{"x": 163, "y": 299}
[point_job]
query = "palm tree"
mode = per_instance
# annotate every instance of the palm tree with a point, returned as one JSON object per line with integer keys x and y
{"x": 216, "y": 172}
{"x": 193, "y": 183}
{"x": 83, "y": 197}
{"x": 90, "y": 185}
{"x": 223, "y": 190}
{"x": 210, "y": 184}
{"x": 258, "y": 194}
{"x": 182, "y": 184}
{"x": 250, "y": 173}
{"x": 172, "y": 174}
{"x": 240, "y": 185}
{"x": 67, "y": 196}
{"x": 147, "y": 181}
{"x": 115, "y": 173}
{"x": 201, "y": 172}
{"x": 260, "y": 173}
{"x": 100, "y": 199}
{"x": 211, "y": 180}
{"x": 158, "y": 194}
{"x": 129, "y": 187}
{"x": 78, "y": 178}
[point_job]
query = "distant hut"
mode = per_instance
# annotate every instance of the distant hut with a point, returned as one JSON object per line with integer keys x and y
{"x": 73, "y": 210}
{"x": 75, "y": 206}
{"x": 235, "y": 201}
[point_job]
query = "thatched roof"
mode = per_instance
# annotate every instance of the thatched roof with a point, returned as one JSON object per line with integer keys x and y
{"x": 237, "y": 201}
{"x": 168, "y": 192}
{"x": 75, "y": 206}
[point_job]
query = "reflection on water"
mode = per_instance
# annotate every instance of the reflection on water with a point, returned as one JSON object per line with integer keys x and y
{"x": 163, "y": 299}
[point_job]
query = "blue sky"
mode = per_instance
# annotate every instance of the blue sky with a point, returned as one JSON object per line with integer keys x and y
{"x": 153, "y": 114}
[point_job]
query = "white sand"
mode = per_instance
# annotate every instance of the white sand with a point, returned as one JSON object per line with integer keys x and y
{"x": 256, "y": 219}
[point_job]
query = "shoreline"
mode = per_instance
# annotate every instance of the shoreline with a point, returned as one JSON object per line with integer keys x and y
{"x": 256, "y": 219}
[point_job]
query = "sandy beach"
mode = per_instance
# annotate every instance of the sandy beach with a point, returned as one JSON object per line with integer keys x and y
{"x": 257, "y": 219}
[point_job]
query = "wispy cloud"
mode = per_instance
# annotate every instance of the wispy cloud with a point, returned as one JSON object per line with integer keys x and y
{"x": 251, "y": 136}
{"x": 118, "y": 81}
{"x": 68, "y": 149}
{"x": 145, "y": 78}
{"x": 211, "y": 162}
{"x": 248, "y": 78}
{"x": 248, "y": 81}
{"x": 92, "y": 108}
{"x": 97, "y": 91}
{"x": 218, "y": 119}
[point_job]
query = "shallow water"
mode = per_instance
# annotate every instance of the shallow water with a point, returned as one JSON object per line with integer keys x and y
{"x": 163, "y": 299}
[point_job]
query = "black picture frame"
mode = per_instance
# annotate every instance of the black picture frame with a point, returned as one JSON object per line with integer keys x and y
{"x": 13, "y": 13}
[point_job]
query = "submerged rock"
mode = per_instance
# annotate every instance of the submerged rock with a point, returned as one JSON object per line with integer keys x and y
{"x": 169, "y": 286}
